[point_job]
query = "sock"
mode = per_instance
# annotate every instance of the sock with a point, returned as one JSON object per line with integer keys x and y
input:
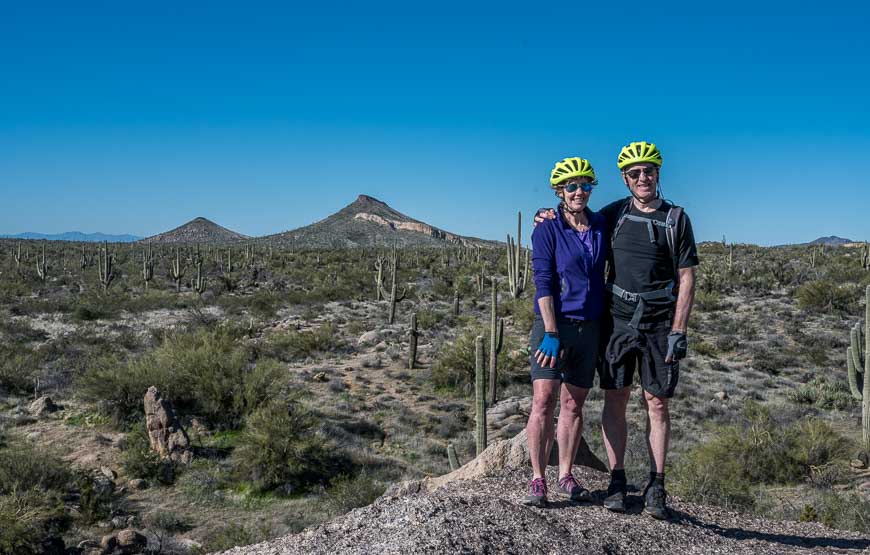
{"x": 618, "y": 476}
{"x": 657, "y": 478}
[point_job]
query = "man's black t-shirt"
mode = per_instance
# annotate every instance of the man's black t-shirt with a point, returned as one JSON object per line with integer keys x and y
{"x": 638, "y": 265}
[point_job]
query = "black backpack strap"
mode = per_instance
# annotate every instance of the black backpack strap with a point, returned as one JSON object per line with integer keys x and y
{"x": 671, "y": 231}
{"x": 623, "y": 213}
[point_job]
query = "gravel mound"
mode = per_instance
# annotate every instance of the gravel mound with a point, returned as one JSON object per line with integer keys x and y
{"x": 485, "y": 515}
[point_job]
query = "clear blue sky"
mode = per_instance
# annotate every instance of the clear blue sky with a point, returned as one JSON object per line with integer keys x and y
{"x": 134, "y": 117}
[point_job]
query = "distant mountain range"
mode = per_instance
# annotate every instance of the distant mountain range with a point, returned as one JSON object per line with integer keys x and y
{"x": 74, "y": 236}
{"x": 366, "y": 222}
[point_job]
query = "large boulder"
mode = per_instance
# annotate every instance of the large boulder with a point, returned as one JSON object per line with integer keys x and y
{"x": 42, "y": 406}
{"x": 165, "y": 433}
{"x": 501, "y": 455}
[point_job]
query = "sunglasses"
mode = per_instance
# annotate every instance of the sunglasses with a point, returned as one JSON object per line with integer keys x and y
{"x": 649, "y": 172}
{"x": 585, "y": 187}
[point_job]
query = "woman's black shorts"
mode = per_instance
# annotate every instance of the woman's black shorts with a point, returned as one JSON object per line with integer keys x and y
{"x": 579, "y": 339}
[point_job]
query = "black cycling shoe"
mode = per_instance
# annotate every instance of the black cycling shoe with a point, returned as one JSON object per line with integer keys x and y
{"x": 655, "y": 499}
{"x": 615, "y": 500}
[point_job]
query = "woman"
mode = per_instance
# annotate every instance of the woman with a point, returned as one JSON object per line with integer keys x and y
{"x": 568, "y": 254}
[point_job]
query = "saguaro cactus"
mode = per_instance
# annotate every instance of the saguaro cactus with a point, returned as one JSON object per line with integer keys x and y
{"x": 456, "y": 302}
{"x": 380, "y": 260}
{"x": 394, "y": 298}
{"x": 858, "y": 367}
{"x": 147, "y": 266}
{"x": 200, "y": 281}
{"x": 496, "y": 334}
{"x": 479, "y": 395}
{"x": 41, "y": 267}
{"x": 104, "y": 264}
{"x": 412, "y": 341}
{"x": 518, "y": 267}
{"x": 176, "y": 271}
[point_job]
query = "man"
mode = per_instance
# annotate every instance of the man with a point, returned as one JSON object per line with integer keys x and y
{"x": 651, "y": 280}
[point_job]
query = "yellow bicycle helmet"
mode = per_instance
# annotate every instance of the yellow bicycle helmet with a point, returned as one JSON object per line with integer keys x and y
{"x": 570, "y": 167}
{"x": 638, "y": 153}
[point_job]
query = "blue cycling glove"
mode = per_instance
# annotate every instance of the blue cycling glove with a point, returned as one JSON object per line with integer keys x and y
{"x": 549, "y": 346}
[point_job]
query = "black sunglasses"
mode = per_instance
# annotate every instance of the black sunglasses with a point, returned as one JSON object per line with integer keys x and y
{"x": 634, "y": 174}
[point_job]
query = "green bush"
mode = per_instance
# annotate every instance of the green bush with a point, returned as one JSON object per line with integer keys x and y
{"x": 349, "y": 492}
{"x": 138, "y": 459}
{"x": 19, "y": 367}
{"x": 293, "y": 345}
{"x": 279, "y": 448}
{"x": 234, "y": 535}
{"x": 824, "y": 394}
{"x": 827, "y": 296}
{"x": 27, "y": 519}
{"x": 758, "y": 450}
{"x": 207, "y": 372}
{"x": 25, "y": 467}
{"x": 33, "y": 482}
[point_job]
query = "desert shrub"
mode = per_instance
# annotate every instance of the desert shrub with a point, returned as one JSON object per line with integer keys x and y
{"x": 454, "y": 364}
{"x": 707, "y": 301}
{"x": 280, "y": 448}
{"x": 138, "y": 459}
{"x": 522, "y": 311}
{"x": 293, "y": 345}
{"x": 96, "y": 307}
{"x": 19, "y": 367}
{"x": 25, "y": 467}
{"x": 349, "y": 492}
{"x": 33, "y": 482}
{"x": 757, "y": 450}
{"x": 823, "y": 393}
{"x": 703, "y": 348}
{"x": 208, "y": 372}
{"x": 771, "y": 361}
{"x": 823, "y": 295}
{"x": 234, "y": 535}
{"x": 29, "y": 520}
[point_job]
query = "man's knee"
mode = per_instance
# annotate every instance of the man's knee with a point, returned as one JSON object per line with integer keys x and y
{"x": 657, "y": 406}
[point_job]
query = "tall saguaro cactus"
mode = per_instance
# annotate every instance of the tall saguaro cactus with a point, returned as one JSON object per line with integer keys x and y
{"x": 496, "y": 334}
{"x": 104, "y": 264}
{"x": 177, "y": 271}
{"x": 147, "y": 266}
{"x": 518, "y": 267}
{"x": 413, "y": 334}
{"x": 393, "y": 297}
{"x": 41, "y": 267}
{"x": 479, "y": 395}
{"x": 858, "y": 367}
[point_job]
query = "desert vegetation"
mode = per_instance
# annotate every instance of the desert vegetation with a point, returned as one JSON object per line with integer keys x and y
{"x": 293, "y": 374}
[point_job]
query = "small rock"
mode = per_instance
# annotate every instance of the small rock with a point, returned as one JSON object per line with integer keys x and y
{"x": 33, "y": 436}
{"x": 131, "y": 539}
{"x": 865, "y": 486}
{"x": 349, "y": 368}
{"x": 108, "y": 473}
{"x": 138, "y": 484}
{"x": 87, "y": 544}
{"x": 857, "y": 463}
{"x": 368, "y": 338}
{"x": 721, "y": 395}
{"x": 42, "y": 406}
{"x": 381, "y": 347}
{"x": 119, "y": 522}
{"x": 320, "y": 377}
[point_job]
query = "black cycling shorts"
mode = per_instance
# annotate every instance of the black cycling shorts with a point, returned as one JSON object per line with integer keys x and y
{"x": 627, "y": 350}
{"x": 580, "y": 339}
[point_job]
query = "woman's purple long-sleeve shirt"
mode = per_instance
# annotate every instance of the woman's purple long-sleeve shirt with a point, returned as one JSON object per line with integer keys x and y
{"x": 569, "y": 266}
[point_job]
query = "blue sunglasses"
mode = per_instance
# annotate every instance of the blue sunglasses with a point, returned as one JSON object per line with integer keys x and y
{"x": 585, "y": 187}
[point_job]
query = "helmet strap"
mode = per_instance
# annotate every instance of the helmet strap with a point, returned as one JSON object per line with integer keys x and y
{"x": 564, "y": 207}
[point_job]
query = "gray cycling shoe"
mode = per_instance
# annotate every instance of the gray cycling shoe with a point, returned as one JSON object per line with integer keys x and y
{"x": 655, "y": 501}
{"x": 615, "y": 500}
{"x": 578, "y": 493}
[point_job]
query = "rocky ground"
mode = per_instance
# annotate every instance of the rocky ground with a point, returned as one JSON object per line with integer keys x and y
{"x": 486, "y": 515}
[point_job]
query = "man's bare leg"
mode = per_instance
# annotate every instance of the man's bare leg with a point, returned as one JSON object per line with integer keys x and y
{"x": 658, "y": 431}
{"x": 614, "y": 427}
